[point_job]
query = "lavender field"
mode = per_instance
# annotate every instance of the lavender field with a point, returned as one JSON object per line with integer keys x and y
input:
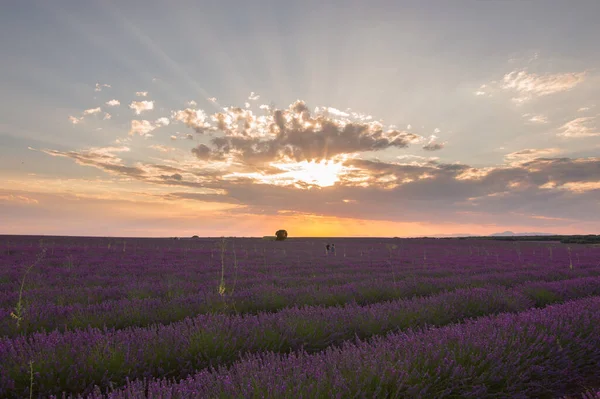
{"x": 252, "y": 318}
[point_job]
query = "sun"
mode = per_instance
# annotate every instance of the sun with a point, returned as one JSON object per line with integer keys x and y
{"x": 302, "y": 174}
{"x": 324, "y": 173}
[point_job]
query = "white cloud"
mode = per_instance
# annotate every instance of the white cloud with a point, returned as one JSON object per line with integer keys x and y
{"x": 107, "y": 116}
{"x": 162, "y": 122}
{"x": 100, "y": 86}
{"x": 141, "y": 93}
{"x": 530, "y": 85}
{"x": 113, "y": 103}
{"x": 578, "y": 128}
{"x": 161, "y": 148}
{"x": 253, "y": 96}
{"x": 143, "y": 127}
{"x": 194, "y": 118}
{"x": 336, "y": 112}
{"x": 536, "y": 118}
{"x": 74, "y": 120}
{"x": 192, "y": 103}
{"x": 247, "y": 105}
{"x": 212, "y": 99}
{"x": 141, "y": 106}
{"x": 92, "y": 111}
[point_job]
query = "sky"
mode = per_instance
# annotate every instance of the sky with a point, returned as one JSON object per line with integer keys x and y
{"x": 338, "y": 118}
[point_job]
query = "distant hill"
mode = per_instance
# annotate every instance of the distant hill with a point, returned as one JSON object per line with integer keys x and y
{"x": 511, "y": 234}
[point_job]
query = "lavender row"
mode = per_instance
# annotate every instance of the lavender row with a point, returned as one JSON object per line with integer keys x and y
{"x": 89, "y": 283}
{"x": 108, "y": 265}
{"x": 539, "y": 353}
{"x": 263, "y": 298}
{"x": 75, "y": 360}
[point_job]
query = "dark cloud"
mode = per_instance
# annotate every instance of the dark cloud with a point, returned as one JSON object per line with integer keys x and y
{"x": 432, "y": 192}
{"x": 201, "y": 152}
{"x": 293, "y": 133}
{"x": 545, "y": 190}
{"x": 175, "y": 176}
{"x": 433, "y": 146}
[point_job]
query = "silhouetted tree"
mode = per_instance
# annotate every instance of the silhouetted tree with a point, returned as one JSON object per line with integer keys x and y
{"x": 281, "y": 235}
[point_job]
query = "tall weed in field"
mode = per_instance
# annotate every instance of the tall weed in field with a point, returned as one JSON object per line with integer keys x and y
{"x": 223, "y": 289}
{"x": 31, "y": 379}
{"x": 222, "y": 246}
{"x": 570, "y": 259}
{"x": 20, "y": 308}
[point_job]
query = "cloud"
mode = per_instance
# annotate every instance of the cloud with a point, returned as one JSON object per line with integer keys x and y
{"x": 162, "y": 148}
{"x": 141, "y": 127}
{"x": 294, "y": 133}
{"x": 202, "y": 152}
{"x": 102, "y": 158}
{"x": 579, "y": 128}
{"x": 92, "y": 111}
{"x": 192, "y": 103}
{"x": 581, "y": 187}
{"x": 529, "y": 85}
{"x": 141, "y": 93}
{"x": 530, "y": 154}
{"x": 113, "y": 103}
{"x": 530, "y": 185}
{"x": 196, "y": 119}
{"x": 144, "y": 127}
{"x": 432, "y": 145}
{"x": 99, "y": 86}
{"x": 253, "y": 96}
{"x": 18, "y": 199}
{"x": 162, "y": 121}
{"x": 141, "y": 106}
{"x": 212, "y": 99}
{"x": 182, "y": 136}
{"x": 540, "y": 119}
{"x": 107, "y": 116}
{"x": 74, "y": 120}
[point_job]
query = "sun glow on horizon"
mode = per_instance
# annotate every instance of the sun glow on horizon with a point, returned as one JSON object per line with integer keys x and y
{"x": 323, "y": 173}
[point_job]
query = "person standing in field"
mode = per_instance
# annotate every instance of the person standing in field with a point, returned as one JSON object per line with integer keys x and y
{"x": 326, "y": 249}
{"x": 333, "y": 249}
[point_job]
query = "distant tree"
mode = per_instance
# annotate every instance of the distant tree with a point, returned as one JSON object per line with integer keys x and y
{"x": 281, "y": 235}
{"x": 195, "y": 237}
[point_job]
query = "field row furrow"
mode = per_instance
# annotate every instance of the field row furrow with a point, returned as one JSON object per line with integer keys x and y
{"x": 541, "y": 353}
{"x": 74, "y": 361}
{"x": 39, "y": 316}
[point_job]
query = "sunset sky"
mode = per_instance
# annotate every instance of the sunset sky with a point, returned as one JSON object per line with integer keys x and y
{"x": 337, "y": 118}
